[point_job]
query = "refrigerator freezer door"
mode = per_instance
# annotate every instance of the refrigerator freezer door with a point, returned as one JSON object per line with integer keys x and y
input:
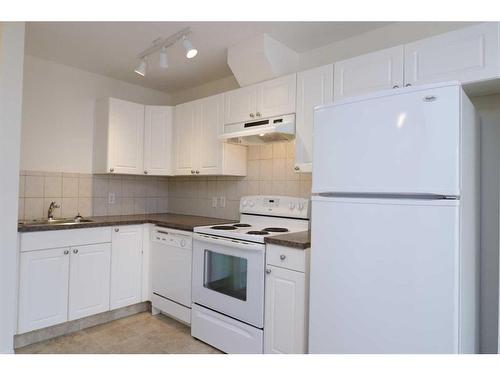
{"x": 384, "y": 276}
{"x": 397, "y": 143}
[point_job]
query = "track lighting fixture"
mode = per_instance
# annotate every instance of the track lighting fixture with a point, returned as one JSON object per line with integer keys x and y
{"x": 141, "y": 68}
{"x": 190, "y": 50}
{"x": 163, "y": 58}
{"x": 162, "y": 45}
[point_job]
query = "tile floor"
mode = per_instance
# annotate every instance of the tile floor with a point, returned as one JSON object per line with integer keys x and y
{"x": 137, "y": 334}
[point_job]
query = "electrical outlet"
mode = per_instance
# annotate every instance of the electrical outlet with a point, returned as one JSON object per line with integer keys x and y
{"x": 214, "y": 202}
{"x": 222, "y": 202}
{"x": 111, "y": 198}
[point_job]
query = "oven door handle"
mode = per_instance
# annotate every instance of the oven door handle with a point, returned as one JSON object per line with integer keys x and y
{"x": 229, "y": 242}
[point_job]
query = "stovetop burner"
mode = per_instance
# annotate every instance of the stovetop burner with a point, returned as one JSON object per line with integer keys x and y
{"x": 224, "y": 227}
{"x": 257, "y": 232}
{"x": 241, "y": 225}
{"x": 275, "y": 229}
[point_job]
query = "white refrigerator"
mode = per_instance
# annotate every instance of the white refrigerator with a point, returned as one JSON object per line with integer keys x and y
{"x": 395, "y": 246}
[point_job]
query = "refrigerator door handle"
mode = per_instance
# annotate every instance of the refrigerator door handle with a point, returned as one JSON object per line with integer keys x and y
{"x": 422, "y": 196}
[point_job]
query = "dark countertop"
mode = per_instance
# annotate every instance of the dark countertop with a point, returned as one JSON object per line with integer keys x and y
{"x": 297, "y": 240}
{"x": 175, "y": 221}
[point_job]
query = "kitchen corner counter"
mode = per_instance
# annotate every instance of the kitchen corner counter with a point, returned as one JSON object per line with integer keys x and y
{"x": 174, "y": 221}
{"x": 297, "y": 240}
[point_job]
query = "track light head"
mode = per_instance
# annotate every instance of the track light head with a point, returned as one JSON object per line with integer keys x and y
{"x": 190, "y": 50}
{"x": 141, "y": 68}
{"x": 163, "y": 58}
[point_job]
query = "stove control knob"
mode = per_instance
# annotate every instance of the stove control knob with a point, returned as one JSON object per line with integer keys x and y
{"x": 301, "y": 206}
{"x": 292, "y": 205}
{"x": 244, "y": 203}
{"x": 252, "y": 203}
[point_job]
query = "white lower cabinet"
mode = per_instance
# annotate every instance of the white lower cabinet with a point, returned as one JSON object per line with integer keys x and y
{"x": 126, "y": 266}
{"x": 285, "y": 320}
{"x": 43, "y": 288}
{"x": 89, "y": 274}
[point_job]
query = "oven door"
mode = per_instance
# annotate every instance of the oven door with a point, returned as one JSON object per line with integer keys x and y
{"x": 228, "y": 277}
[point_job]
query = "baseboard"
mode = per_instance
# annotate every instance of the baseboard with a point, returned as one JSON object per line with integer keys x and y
{"x": 62, "y": 329}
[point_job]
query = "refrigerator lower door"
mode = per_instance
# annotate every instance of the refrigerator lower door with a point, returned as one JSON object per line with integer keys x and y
{"x": 384, "y": 276}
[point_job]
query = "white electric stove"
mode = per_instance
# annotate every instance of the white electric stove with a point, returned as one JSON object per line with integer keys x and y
{"x": 229, "y": 271}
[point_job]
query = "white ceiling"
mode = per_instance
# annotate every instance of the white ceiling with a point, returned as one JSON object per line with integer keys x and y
{"x": 110, "y": 48}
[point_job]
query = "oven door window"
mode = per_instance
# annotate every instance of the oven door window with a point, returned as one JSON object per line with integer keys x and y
{"x": 226, "y": 274}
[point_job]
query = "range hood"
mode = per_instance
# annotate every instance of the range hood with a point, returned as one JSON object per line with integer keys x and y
{"x": 275, "y": 129}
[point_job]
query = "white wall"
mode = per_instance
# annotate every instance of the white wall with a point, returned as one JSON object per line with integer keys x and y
{"x": 207, "y": 89}
{"x": 58, "y": 114}
{"x": 11, "y": 79}
{"x": 384, "y": 37}
{"x": 489, "y": 111}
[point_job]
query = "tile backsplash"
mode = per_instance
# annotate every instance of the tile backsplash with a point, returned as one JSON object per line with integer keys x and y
{"x": 270, "y": 171}
{"x": 89, "y": 194}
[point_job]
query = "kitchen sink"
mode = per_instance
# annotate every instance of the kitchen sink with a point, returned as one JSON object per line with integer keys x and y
{"x": 55, "y": 222}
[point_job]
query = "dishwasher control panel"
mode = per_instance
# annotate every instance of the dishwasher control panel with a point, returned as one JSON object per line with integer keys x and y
{"x": 172, "y": 238}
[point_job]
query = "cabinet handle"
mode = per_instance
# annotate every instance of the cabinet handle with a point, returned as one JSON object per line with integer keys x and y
{"x": 111, "y": 169}
{"x": 297, "y": 168}
{"x": 117, "y": 229}
{"x": 395, "y": 87}
{"x": 66, "y": 252}
{"x": 75, "y": 251}
{"x": 408, "y": 85}
{"x": 145, "y": 172}
{"x": 258, "y": 114}
{"x": 197, "y": 172}
{"x": 282, "y": 257}
{"x": 268, "y": 271}
{"x": 252, "y": 115}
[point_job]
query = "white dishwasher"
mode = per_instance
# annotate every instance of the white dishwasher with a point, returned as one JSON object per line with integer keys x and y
{"x": 172, "y": 252}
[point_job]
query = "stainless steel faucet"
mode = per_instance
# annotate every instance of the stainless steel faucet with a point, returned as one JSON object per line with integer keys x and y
{"x": 51, "y": 209}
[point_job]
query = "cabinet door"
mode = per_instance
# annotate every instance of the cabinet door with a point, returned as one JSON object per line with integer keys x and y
{"x": 126, "y": 137}
{"x": 209, "y": 126}
{"x": 466, "y": 55}
{"x": 285, "y": 312}
{"x": 43, "y": 288}
{"x": 185, "y": 139}
{"x": 89, "y": 280}
{"x": 126, "y": 266}
{"x": 240, "y": 105}
{"x": 314, "y": 87}
{"x": 276, "y": 97}
{"x": 371, "y": 72}
{"x": 158, "y": 132}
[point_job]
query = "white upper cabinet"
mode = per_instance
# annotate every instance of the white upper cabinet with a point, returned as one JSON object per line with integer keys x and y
{"x": 240, "y": 105}
{"x": 89, "y": 280}
{"x": 198, "y": 149}
{"x": 131, "y": 138}
{"x": 466, "y": 55}
{"x": 314, "y": 87}
{"x": 43, "y": 288}
{"x": 119, "y": 137}
{"x": 126, "y": 266}
{"x": 209, "y": 112}
{"x": 276, "y": 97}
{"x": 184, "y": 134}
{"x": 262, "y": 100}
{"x": 158, "y": 151}
{"x": 371, "y": 72}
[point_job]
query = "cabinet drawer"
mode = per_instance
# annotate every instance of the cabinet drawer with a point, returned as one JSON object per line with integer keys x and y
{"x": 285, "y": 257}
{"x": 64, "y": 238}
